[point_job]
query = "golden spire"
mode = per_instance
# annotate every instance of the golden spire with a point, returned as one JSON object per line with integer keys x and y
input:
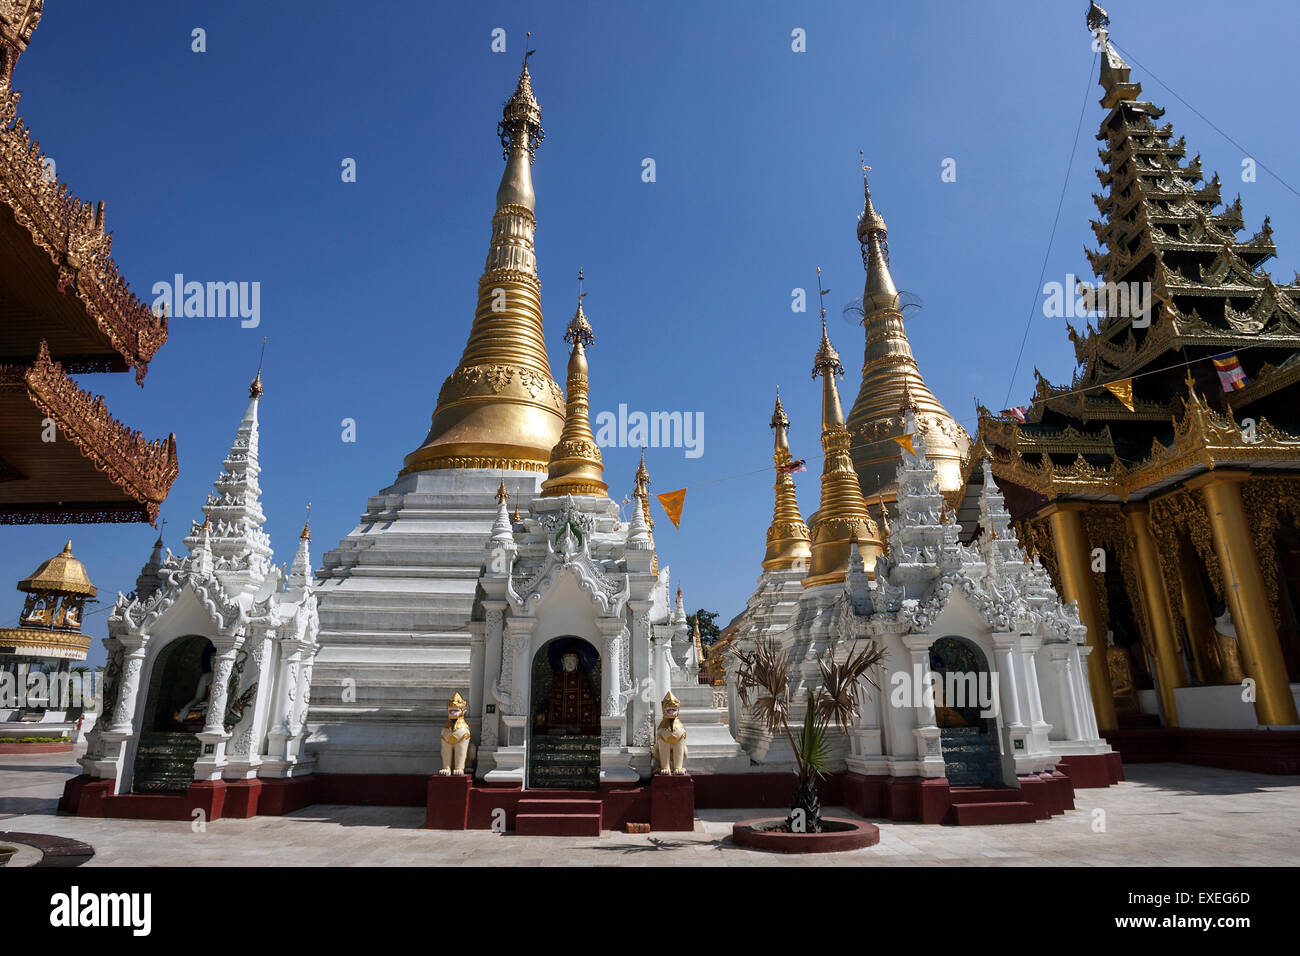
{"x": 843, "y": 517}
{"x": 891, "y": 379}
{"x": 501, "y": 408}
{"x": 575, "y": 466}
{"x": 695, "y": 636}
{"x": 255, "y": 388}
{"x": 306, "y": 526}
{"x": 502, "y": 494}
{"x": 787, "y": 535}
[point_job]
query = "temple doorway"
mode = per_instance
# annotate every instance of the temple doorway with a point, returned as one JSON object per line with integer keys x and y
{"x": 963, "y": 692}
{"x": 180, "y": 686}
{"x": 564, "y": 724}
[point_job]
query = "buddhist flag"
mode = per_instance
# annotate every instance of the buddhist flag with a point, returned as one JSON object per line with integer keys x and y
{"x": 1018, "y": 412}
{"x": 794, "y": 467}
{"x": 672, "y": 502}
{"x": 1123, "y": 390}
{"x": 904, "y": 441}
{"x": 1231, "y": 375}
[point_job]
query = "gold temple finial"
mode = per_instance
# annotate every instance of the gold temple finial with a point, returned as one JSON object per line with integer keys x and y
{"x": 306, "y": 526}
{"x": 502, "y": 495}
{"x": 575, "y": 466}
{"x": 255, "y": 389}
{"x": 787, "y": 535}
{"x": 1190, "y": 381}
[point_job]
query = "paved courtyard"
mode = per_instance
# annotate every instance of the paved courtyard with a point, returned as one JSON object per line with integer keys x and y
{"x": 1163, "y": 815}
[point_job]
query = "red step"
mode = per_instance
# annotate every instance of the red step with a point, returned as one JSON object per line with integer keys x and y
{"x": 547, "y": 805}
{"x": 1005, "y": 811}
{"x": 985, "y": 794}
{"x": 557, "y": 824}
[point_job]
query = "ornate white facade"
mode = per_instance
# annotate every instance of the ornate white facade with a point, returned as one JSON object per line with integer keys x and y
{"x": 572, "y": 569}
{"x": 220, "y": 633}
{"x": 933, "y": 600}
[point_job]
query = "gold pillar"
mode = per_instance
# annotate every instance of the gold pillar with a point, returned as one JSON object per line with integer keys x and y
{"x": 1169, "y": 662}
{"x": 1074, "y": 563}
{"x": 1261, "y": 651}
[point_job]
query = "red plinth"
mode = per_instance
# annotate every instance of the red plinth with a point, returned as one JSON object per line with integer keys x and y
{"x": 448, "y": 804}
{"x": 242, "y": 798}
{"x": 672, "y": 802}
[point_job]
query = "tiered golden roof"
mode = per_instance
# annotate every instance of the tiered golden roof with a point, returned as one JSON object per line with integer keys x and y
{"x": 787, "y": 535}
{"x": 61, "y": 574}
{"x": 842, "y": 518}
{"x": 575, "y": 466}
{"x": 501, "y": 408}
{"x": 891, "y": 379}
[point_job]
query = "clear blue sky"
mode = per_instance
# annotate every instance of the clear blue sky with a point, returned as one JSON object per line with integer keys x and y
{"x": 226, "y": 166}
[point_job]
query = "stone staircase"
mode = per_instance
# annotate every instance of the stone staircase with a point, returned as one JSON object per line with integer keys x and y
{"x": 164, "y": 762}
{"x": 970, "y": 757}
{"x": 559, "y": 813}
{"x": 564, "y": 763}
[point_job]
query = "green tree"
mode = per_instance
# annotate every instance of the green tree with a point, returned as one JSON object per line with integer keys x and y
{"x": 709, "y": 630}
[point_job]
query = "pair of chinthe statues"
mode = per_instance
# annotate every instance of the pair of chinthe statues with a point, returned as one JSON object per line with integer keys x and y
{"x": 670, "y": 738}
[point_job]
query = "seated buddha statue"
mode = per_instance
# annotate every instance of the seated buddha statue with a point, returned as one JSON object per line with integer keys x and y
{"x": 1120, "y": 666}
{"x": 573, "y": 710}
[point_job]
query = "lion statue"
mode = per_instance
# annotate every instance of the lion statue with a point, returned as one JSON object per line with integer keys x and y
{"x": 455, "y": 738}
{"x": 670, "y": 738}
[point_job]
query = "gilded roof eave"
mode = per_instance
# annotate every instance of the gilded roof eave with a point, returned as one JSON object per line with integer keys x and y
{"x": 72, "y": 233}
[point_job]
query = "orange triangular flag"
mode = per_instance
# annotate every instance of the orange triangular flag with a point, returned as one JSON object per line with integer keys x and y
{"x": 672, "y": 502}
{"x": 904, "y": 441}
{"x": 1123, "y": 390}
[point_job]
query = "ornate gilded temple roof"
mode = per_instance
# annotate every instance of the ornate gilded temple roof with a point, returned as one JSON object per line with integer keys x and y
{"x": 64, "y": 309}
{"x": 891, "y": 379}
{"x": 1178, "y": 285}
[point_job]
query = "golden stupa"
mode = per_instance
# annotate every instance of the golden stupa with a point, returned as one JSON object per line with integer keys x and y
{"x": 501, "y": 408}
{"x": 575, "y": 466}
{"x": 842, "y": 518}
{"x": 891, "y": 381}
{"x": 787, "y": 535}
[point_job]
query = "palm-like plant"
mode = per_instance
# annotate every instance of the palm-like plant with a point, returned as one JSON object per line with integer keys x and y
{"x": 762, "y": 674}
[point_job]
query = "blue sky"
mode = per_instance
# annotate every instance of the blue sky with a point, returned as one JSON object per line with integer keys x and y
{"x": 225, "y": 166}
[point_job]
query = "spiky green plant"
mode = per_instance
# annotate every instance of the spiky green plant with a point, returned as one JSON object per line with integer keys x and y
{"x": 763, "y": 675}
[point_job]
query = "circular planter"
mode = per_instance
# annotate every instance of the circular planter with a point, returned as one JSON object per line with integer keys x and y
{"x": 837, "y": 835}
{"x": 6, "y": 853}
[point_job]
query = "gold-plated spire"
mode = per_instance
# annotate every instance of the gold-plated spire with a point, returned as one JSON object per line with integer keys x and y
{"x": 255, "y": 387}
{"x": 842, "y": 517}
{"x": 1114, "y": 76}
{"x": 891, "y": 378}
{"x": 306, "y": 526}
{"x": 787, "y": 535}
{"x": 575, "y": 466}
{"x": 502, "y": 495}
{"x": 501, "y": 408}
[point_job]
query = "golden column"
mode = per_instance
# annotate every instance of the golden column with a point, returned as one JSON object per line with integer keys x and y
{"x": 1073, "y": 559}
{"x": 787, "y": 535}
{"x": 575, "y": 467}
{"x": 842, "y": 519}
{"x": 1169, "y": 666}
{"x": 1261, "y": 651}
{"x": 500, "y": 408}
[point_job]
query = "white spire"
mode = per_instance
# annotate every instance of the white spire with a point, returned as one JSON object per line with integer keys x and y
{"x": 147, "y": 582}
{"x": 234, "y": 511}
{"x": 638, "y": 532}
